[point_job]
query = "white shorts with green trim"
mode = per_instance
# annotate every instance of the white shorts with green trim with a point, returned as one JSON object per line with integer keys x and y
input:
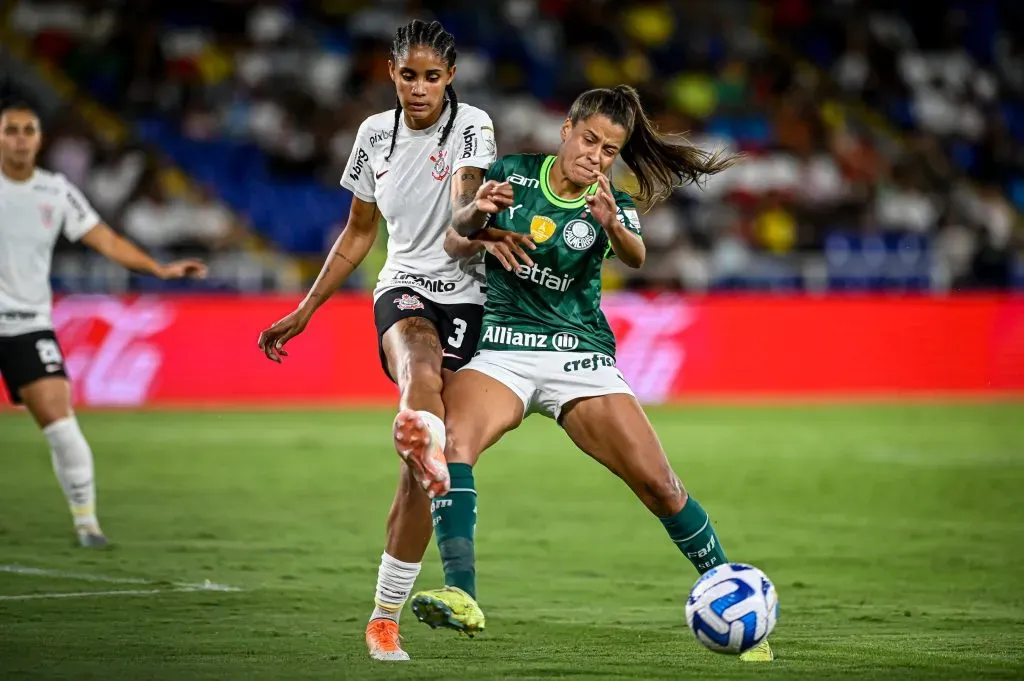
{"x": 547, "y": 381}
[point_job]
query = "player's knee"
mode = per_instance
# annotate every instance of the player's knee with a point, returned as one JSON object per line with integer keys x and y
{"x": 47, "y": 404}
{"x": 458, "y": 448}
{"x": 663, "y": 494}
{"x": 421, "y": 375}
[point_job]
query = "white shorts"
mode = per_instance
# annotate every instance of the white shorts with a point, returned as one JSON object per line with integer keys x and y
{"x": 547, "y": 381}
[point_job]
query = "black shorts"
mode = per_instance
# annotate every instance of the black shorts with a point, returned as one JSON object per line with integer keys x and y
{"x": 29, "y": 357}
{"x": 458, "y": 326}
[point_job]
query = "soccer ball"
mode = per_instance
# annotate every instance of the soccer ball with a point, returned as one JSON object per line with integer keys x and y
{"x": 732, "y": 608}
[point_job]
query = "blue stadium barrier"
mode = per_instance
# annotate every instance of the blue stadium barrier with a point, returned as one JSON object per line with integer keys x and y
{"x": 294, "y": 216}
{"x": 891, "y": 261}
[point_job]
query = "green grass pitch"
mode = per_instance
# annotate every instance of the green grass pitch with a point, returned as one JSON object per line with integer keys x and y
{"x": 894, "y": 534}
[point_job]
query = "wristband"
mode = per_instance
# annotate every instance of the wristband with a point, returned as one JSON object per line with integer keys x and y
{"x": 489, "y": 222}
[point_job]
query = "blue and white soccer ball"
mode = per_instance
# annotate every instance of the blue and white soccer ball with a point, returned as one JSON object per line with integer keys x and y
{"x": 732, "y": 608}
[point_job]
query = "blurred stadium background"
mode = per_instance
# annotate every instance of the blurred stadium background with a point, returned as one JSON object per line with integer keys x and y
{"x": 885, "y": 138}
{"x": 885, "y": 145}
{"x": 870, "y": 246}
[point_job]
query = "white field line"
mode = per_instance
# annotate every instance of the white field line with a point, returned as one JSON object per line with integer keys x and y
{"x": 179, "y": 587}
{"x": 83, "y": 594}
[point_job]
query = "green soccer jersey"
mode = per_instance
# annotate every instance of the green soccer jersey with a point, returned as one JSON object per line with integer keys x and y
{"x": 556, "y": 304}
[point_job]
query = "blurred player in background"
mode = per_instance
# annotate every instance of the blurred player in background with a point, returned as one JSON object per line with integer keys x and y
{"x": 36, "y": 206}
{"x": 547, "y": 347}
{"x": 408, "y": 164}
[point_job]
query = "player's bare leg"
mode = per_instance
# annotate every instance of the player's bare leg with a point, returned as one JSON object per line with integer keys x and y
{"x": 408, "y": 533}
{"x": 480, "y": 411}
{"x": 413, "y": 352}
{"x": 614, "y": 430}
{"x": 49, "y": 402}
{"x": 414, "y": 358}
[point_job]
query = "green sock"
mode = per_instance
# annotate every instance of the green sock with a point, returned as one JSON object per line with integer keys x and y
{"x": 692, "y": 532}
{"x": 455, "y": 524}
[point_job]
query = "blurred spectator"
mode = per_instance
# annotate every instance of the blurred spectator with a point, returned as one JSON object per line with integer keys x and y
{"x": 157, "y": 221}
{"x": 113, "y": 181}
{"x": 261, "y": 100}
{"x": 72, "y": 152}
{"x": 903, "y": 205}
{"x": 774, "y": 226}
{"x": 731, "y": 254}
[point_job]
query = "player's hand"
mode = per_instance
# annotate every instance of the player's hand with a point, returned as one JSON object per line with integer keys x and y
{"x": 272, "y": 340}
{"x": 602, "y": 203}
{"x": 180, "y": 269}
{"x": 493, "y": 197}
{"x": 506, "y": 246}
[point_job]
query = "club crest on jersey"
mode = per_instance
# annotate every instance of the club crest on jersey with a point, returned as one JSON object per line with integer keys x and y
{"x": 441, "y": 165}
{"x": 408, "y": 302}
{"x": 579, "y": 235}
{"x": 542, "y": 228}
{"x": 46, "y": 212}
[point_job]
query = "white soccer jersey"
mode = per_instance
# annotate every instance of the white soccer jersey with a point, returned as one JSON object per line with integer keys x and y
{"x": 32, "y": 215}
{"x": 413, "y": 192}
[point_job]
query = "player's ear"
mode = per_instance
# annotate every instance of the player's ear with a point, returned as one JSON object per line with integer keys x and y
{"x": 566, "y": 129}
{"x": 391, "y": 71}
{"x": 451, "y": 75}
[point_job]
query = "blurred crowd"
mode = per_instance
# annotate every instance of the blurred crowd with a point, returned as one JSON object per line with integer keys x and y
{"x": 126, "y": 186}
{"x": 880, "y": 138}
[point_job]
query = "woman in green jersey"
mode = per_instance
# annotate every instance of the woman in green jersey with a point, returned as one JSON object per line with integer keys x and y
{"x": 546, "y": 346}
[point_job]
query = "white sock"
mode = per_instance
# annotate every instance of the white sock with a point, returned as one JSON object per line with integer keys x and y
{"x": 395, "y": 580}
{"x": 72, "y": 462}
{"x": 436, "y": 426}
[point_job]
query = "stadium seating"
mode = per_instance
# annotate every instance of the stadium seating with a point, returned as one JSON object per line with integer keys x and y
{"x": 260, "y": 104}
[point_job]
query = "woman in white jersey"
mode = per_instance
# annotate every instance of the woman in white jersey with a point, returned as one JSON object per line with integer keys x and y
{"x": 36, "y": 207}
{"x": 409, "y": 165}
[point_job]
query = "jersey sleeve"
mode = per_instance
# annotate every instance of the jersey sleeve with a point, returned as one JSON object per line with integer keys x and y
{"x": 79, "y": 216}
{"x": 628, "y": 216}
{"x": 498, "y": 171}
{"x": 358, "y": 177}
{"x": 474, "y": 143}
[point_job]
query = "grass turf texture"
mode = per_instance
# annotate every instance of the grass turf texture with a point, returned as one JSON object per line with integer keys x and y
{"x": 894, "y": 534}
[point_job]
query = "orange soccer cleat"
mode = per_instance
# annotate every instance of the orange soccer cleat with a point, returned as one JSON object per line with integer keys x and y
{"x": 383, "y": 641}
{"x": 418, "y": 447}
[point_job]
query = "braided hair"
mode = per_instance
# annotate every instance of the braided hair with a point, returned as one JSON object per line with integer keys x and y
{"x": 420, "y": 33}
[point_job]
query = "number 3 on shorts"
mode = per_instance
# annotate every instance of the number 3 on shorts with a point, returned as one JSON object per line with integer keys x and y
{"x": 456, "y": 339}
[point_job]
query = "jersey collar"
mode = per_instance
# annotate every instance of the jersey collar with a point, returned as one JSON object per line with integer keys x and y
{"x": 20, "y": 183}
{"x": 426, "y": 132}
{"x": 552, "y": 197}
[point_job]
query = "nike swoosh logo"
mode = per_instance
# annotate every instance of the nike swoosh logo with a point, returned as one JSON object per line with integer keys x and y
{"x": 383, "y": 173}
{"x": 448, "y": 354}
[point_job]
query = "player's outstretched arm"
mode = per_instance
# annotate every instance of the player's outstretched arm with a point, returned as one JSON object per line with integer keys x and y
{"x": 491, "y": 198}
{"x": 504, "y": 245}
{"x": 508, "y": 247}
{"x": 465, "y": 185}
{"x": 348, "y": 252}
{"x": 109, "y": 244}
